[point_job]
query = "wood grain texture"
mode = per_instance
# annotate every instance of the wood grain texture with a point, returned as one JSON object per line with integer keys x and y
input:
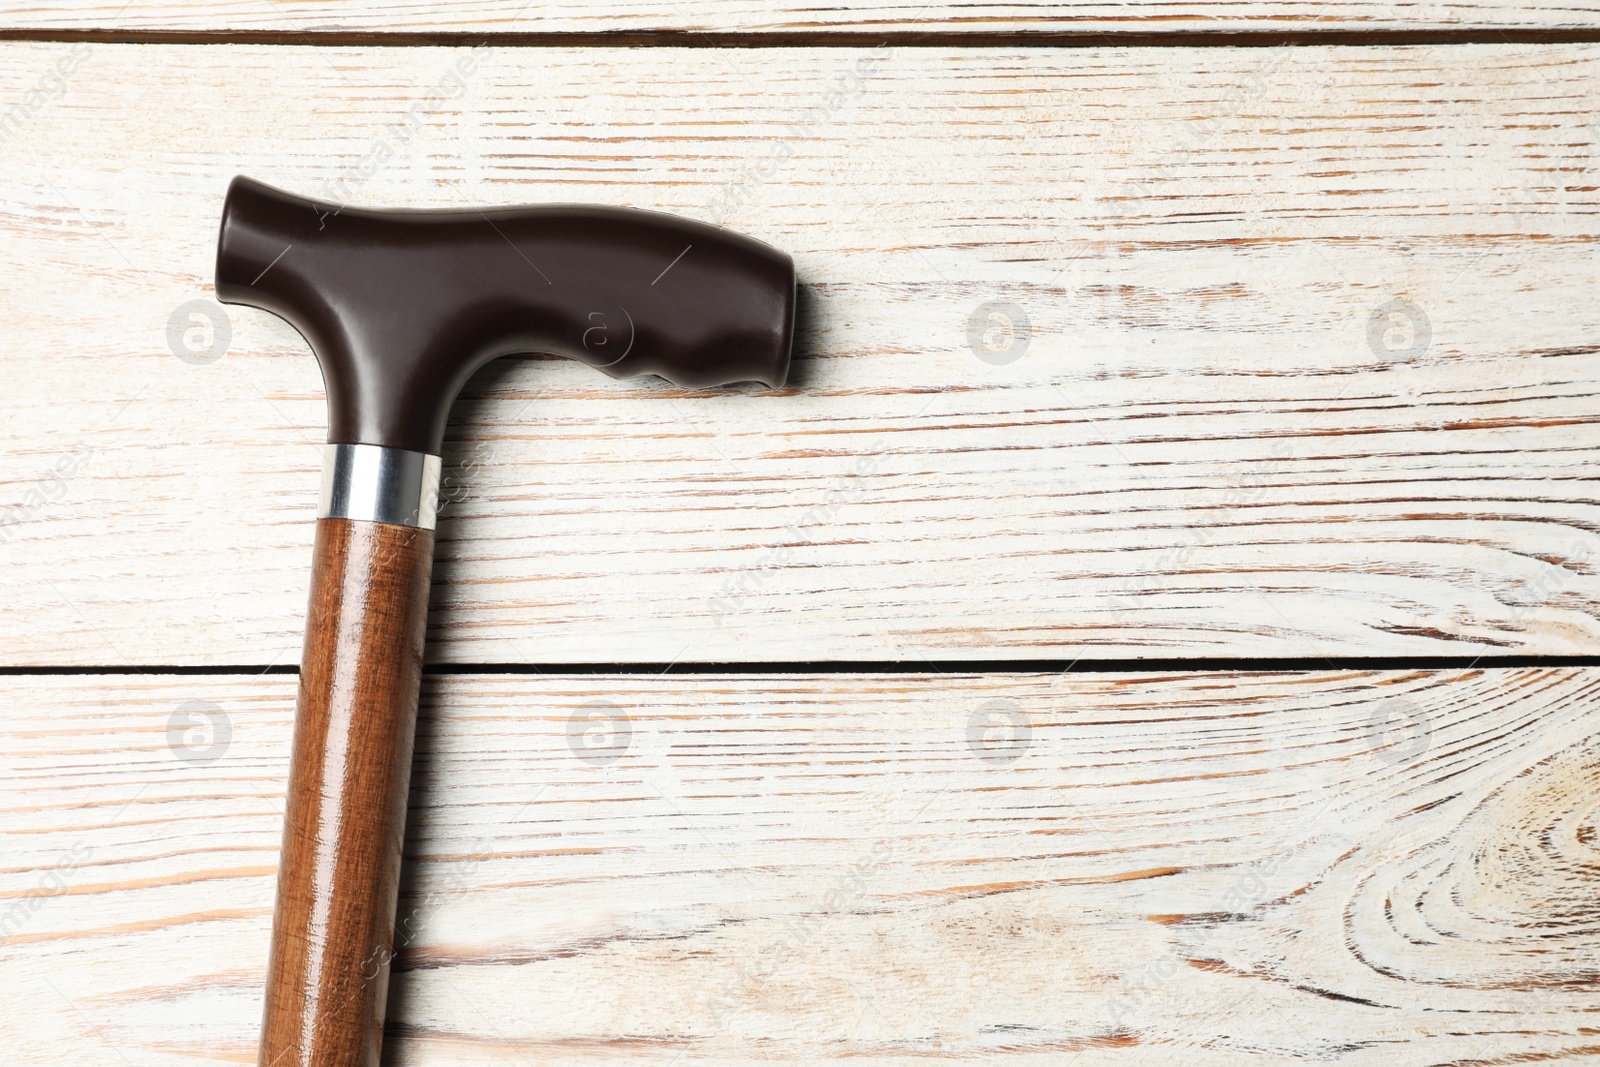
{"x": 345, "y": 813}
{"x": 1374, "y": 869}
{"x": 1310, "y": 365}
{"x": 499, "y": 16}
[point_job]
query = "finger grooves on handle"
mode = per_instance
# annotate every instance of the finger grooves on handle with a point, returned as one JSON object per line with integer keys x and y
{"x": 351, "y": 767}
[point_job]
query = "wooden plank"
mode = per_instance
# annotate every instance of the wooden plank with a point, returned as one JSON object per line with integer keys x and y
{"x": 723, "y": 16}
{"x": 1383, "y": 868}
{"x": 1311, "y": 365}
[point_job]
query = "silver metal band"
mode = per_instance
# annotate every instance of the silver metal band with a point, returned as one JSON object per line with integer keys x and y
{"x": 378, "y": 484}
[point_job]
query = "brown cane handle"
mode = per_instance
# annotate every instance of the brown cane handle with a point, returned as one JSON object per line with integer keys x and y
{"x": 339, "y": 871}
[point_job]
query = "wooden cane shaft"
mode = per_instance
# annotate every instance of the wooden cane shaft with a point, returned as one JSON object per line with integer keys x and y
{"x": 338, "y": 876}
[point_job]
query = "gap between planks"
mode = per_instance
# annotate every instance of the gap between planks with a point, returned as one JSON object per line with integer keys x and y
{"x": 1374, "y": 38}
{"x": 1235, "y": 665}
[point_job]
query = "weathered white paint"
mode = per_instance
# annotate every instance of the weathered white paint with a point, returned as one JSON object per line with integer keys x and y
{"x": 1394, "y": 868}
{"x": 498, "y": 16}
{"x": 1199, "y": 452}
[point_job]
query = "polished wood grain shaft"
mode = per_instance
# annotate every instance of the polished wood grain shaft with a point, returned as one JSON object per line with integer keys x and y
{"x": 339, "y": 871}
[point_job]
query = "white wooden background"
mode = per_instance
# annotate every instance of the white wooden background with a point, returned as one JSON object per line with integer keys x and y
{"x": 1310, "y": 371}
{"x": 1204, "y": 450}
{"x": 1363, "y": 868}
{"x": 723, "y": 16}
